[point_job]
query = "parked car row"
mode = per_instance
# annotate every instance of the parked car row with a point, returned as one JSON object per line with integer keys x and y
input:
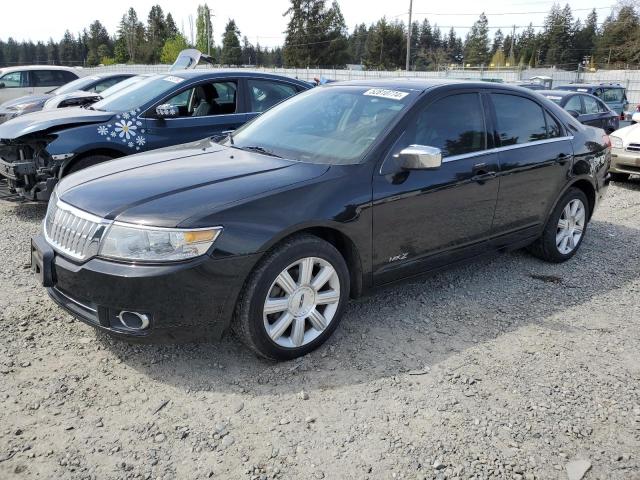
{"x": 270, "y": 229}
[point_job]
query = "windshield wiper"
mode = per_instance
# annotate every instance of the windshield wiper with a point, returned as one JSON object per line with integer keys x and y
{"x": 256, "y": 148}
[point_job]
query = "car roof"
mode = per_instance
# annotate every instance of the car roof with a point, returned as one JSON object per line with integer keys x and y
{"x": 423, "y": 84}
{"x": 39, "y": 67}
{"x": 111, "y": 74}
{"x": 589, "y": 85}
{"x": 560, "y": 93}
{"x": 227, "y": 72}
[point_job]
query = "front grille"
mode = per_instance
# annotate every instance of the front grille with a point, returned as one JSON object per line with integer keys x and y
{"x": 71, "y": 231}
{"x": 633, "y": 147}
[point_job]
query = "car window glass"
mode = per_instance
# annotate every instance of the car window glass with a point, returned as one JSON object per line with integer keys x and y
{"x": 603, "y": 107}
{"x": 553, "y": 127}
{"x": 46, "y": 78}
{"x": 206, "y": 99}
{"x": 519, "y": 120}
{"x": 453, "y": 130}
{"x": 590, "y": 105}
{"x": 12, "y": 80}
{"x": 264, "y": 93}
{"x": 68, "y": 76}
{"x": 574, "y": 104}
{"x": 102, "y": 85}
{"x": 139, "y": 94}
{"x": 612, "y": 95}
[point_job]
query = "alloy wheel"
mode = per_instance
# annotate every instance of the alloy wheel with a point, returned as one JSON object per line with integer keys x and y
{"x": 570, "y": 226}
{"x": 301, "y": 302}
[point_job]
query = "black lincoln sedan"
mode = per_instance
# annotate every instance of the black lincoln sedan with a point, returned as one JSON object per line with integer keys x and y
{"x": 585, "y": 108}
{"x": 343, "y": 188}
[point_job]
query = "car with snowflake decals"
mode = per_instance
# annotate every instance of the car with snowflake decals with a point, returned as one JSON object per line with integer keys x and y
{"x": 38, "y": 149}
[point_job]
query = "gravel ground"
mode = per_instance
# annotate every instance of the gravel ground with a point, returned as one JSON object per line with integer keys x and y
{"x": 505, "y": 368}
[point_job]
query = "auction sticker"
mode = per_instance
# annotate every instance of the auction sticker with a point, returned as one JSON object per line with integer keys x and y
{"x": 385, "y": 93}
{"x": 173, "y": 79}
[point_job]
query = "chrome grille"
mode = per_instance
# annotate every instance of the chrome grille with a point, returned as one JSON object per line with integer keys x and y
{"x": 633, "y": 147}
{"x": 71, "y": 231}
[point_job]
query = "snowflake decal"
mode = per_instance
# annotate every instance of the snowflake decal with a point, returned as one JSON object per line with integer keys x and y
{"x": 127, "y": 128}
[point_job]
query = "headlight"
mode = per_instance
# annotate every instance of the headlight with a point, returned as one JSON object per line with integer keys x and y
{"x": 149, "y": 244}
{"x": 616, "y": 142}
{"x": 23, "y": 106}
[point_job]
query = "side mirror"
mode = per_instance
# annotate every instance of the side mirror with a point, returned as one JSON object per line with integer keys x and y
{"x": 635, "y": 118}
{"x": 166, "y": 110}
{"x": 420, "y": 157}
{"x": 573, "y": 113}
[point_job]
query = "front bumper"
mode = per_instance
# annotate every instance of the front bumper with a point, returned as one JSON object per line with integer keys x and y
{"x": 623, "y": 161}
{"x": 183, "y": 301}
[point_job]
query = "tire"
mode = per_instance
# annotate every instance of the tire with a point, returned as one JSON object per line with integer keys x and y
{"x": 547, "y": 247}
{"x": 283, "y": 341}
{"x": 620, "y": 177}
{"x": 86, "y": 162}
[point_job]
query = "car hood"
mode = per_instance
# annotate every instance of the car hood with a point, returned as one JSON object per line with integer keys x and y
{"x": 48, "y": 119}
{"x": 26, "y": 99}
{"x": 58, "y": 99}
{"x": 628, "y": 134}
{"x": 177, "y": 186}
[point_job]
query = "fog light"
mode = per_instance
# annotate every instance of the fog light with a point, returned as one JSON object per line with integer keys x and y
{"x": 133, "y": 320}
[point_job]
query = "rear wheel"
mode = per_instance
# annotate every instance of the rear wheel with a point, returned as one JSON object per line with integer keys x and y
{"x": 565, "y": 229}
{"x": 620, "y": 177}
{"x": 86, "y": 162}
{"x": 294, "y": 299}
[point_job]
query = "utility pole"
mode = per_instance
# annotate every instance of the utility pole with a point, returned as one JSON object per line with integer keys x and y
{"x": 409, "y": 34}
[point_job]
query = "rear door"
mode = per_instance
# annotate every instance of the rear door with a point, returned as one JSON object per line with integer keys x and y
{"x": 44, "y": 81}
{"x": 535, "y": 155}
{"x": 206, "y": 109}
{"x": 591, "y": 112}
{"x": 14, "y": 85}
{"x": 423, "y": 219}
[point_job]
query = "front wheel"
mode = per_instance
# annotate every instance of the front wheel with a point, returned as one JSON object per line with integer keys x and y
{"x": 565, "y": 229}
{"x": 294, "y": 299}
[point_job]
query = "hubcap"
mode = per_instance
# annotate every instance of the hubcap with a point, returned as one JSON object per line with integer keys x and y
{"x": 570, "y": 226}
{"x": 301, "y": 302}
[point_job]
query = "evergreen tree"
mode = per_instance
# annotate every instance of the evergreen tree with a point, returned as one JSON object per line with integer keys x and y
{"x": 204, "y": 29}
{"x": 231, "y": 50}
{"x": 558, "y": 34}
{"x": 156, "y": 34}
{"x": 476, "y": 49}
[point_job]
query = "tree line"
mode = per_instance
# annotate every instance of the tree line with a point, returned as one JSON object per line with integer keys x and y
{"x": 317, "y": 36}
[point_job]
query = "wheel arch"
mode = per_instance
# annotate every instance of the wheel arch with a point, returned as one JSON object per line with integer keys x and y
{"x": 342, "y": 242}
{"x": 109, "y": 152}
{"x": 588, "y": 189}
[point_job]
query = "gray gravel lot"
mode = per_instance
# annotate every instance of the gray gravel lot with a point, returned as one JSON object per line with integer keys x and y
{"x": 505, "y": 368}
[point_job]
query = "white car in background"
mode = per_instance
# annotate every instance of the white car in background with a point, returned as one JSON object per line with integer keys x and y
{"x": 33, "y": 79}
{"x": 625, "y": 151}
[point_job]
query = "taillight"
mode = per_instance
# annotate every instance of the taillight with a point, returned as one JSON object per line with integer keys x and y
{"x": 607, "y": 141}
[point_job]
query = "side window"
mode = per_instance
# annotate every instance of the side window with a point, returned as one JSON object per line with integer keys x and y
{"x": 574, "y": 104}
{"x": 445, "y": 125}
{"x": 13, "y": 79}
{"x": 265, "y": 94}
{"x": 612, "y": 95}
{"x": 603, "y": 107}
{"x": 46, "y": 78}
{"x": 67, "y": 76}
{"x": 519, "y": 120}
{"x": 590, "y": 105}
{"x": 553, "y": 127}
{"x": 205, "y": 99}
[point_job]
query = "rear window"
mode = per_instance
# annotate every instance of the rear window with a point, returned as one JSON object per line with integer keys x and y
{"x": 612, "y": 95}
{"x": 48, "y": 78}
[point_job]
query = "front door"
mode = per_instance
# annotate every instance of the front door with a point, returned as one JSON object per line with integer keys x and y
{"x": 535, "y": 159}
{"x": 423, "y": 219}
{"x": 204, "y": 110}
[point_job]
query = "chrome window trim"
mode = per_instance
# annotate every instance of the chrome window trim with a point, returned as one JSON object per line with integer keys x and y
{"x": 506, "y": 148}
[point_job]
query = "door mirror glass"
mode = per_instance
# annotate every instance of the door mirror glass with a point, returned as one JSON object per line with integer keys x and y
{"x": 420, "y": 157}
{"x": 167, "y": 110}
{"x": 573, "y": 113}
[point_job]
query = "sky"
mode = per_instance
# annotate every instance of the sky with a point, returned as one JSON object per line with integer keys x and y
{"x": 262, "y": 20}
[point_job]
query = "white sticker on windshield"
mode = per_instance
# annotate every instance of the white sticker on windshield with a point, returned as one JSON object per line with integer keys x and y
{"x": 173, "y": 79}
{"x": 554, "y": 98}
{"x": 582, "y": 90}
{"x": 384, "y": 93}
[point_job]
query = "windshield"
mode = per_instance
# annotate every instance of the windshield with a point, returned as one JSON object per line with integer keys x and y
{"x": 79, "y": 84}
{"x": 121, "y": 85}
{"x": 331, "y": 125}
{"x": 138, "y": 94}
